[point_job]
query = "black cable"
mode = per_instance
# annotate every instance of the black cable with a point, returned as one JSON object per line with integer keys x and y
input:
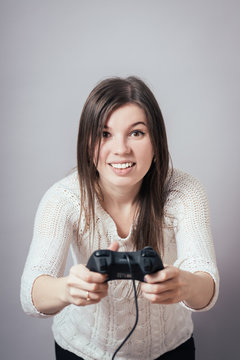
{"x": 136, "y": 304}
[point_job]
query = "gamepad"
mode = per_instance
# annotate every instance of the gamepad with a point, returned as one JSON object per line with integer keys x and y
{"x": 115, "y": 263}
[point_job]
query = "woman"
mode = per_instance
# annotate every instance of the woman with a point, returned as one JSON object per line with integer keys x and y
{"x": 123, "y": 197}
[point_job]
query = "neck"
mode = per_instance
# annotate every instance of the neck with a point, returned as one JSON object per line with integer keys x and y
{"x": 119, "y": 196}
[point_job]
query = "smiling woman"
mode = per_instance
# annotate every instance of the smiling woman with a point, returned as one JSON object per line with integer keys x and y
{"x": 125, "y": 153}
{"x": 115, "y": 112}
{"x": 124, "y": 195}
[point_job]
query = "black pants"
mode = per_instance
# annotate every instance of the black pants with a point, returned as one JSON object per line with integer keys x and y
{"x": 185, "y": 351}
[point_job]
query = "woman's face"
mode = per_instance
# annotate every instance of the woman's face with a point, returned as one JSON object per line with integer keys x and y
{"x": 126, "y": 151}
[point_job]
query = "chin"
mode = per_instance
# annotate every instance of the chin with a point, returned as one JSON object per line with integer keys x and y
{"x": 125, "y": 183}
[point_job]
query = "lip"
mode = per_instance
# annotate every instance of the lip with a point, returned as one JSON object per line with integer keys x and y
{"x": 121, "y": 162}
{"x": 123, "y": 171}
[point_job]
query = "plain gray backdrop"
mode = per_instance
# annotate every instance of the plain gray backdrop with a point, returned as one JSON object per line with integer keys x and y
{"x": 52, "y": 54}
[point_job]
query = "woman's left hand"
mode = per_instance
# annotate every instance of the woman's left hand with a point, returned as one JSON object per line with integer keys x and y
{"x": 168, "y": 286}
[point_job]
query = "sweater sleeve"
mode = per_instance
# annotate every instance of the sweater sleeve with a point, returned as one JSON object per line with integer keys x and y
{"x": 193, "y": 236}
{"x": 54, "y": 229}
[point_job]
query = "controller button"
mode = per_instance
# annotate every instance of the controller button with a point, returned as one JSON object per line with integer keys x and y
{"x": 148, "y": 253}
{"x": 100, "y": 253}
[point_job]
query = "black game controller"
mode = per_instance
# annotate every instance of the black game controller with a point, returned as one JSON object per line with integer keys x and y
{"x": 115, "y": 264}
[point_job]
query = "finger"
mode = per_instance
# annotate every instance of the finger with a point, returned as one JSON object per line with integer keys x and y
{"x": 114, "y": 246}
{"x": 168, "y": 273}
{"x": 157, "y": 288}
{"x": 168, "y": 297}
{"x": 79, "y": 283}
{"x": 83, "y": 301}
{"x": 82, "y": 272}
{"x": 81, "y": 296}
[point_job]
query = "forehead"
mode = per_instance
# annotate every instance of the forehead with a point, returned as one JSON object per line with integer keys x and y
{"x": 126, "y": 115}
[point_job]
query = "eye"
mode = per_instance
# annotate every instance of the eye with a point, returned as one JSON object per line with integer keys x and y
{"x": 136, "y": 133}
{"x": 105, "y": 134}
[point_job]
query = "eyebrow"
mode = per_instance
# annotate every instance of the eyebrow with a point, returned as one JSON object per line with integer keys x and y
{"x": 131, "y": 126}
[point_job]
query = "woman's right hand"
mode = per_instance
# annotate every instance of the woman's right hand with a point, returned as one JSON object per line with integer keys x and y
{"x": 81, "y": 287}
{"x": 85, "y": 287}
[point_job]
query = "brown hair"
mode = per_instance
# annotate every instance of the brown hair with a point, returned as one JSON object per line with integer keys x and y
{"x": 107, "y": 96}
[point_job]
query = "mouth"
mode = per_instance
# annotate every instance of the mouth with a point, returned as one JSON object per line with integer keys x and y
{"x": 125, "y": 165}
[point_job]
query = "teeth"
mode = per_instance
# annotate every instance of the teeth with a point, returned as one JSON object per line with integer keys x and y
{"x": 122, "y": 166}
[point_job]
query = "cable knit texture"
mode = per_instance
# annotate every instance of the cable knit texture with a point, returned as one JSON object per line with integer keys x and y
{"x": 94, "y": 332}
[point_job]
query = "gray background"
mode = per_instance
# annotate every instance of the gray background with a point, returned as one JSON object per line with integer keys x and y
{"x": 52, "y": 53}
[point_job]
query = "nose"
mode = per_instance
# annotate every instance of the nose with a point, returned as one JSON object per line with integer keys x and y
{"x": 121, "y": 146}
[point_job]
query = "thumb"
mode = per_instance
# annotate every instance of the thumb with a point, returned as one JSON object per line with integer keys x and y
{"x": 114, "y": 246}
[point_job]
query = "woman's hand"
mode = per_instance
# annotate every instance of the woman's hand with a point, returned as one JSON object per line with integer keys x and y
{"x": 85, "y": 287}
{"x": 172, "y": 285}
{"x": 81, "y": 287}
{"x": 167, "y": 286}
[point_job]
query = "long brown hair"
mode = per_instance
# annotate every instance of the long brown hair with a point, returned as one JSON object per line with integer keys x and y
{"x": 107, "y": 96}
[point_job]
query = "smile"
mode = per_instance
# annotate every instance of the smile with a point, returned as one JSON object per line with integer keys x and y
{"x": 123, "y": 165}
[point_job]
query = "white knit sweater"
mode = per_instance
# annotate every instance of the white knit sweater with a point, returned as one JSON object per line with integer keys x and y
{"x": 95, "y": 331}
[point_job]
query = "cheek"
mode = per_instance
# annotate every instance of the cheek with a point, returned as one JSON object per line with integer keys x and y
{"x": 145, "y": 151}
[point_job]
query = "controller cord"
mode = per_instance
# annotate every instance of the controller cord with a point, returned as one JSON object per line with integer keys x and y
{"x": 136, "y": 304}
